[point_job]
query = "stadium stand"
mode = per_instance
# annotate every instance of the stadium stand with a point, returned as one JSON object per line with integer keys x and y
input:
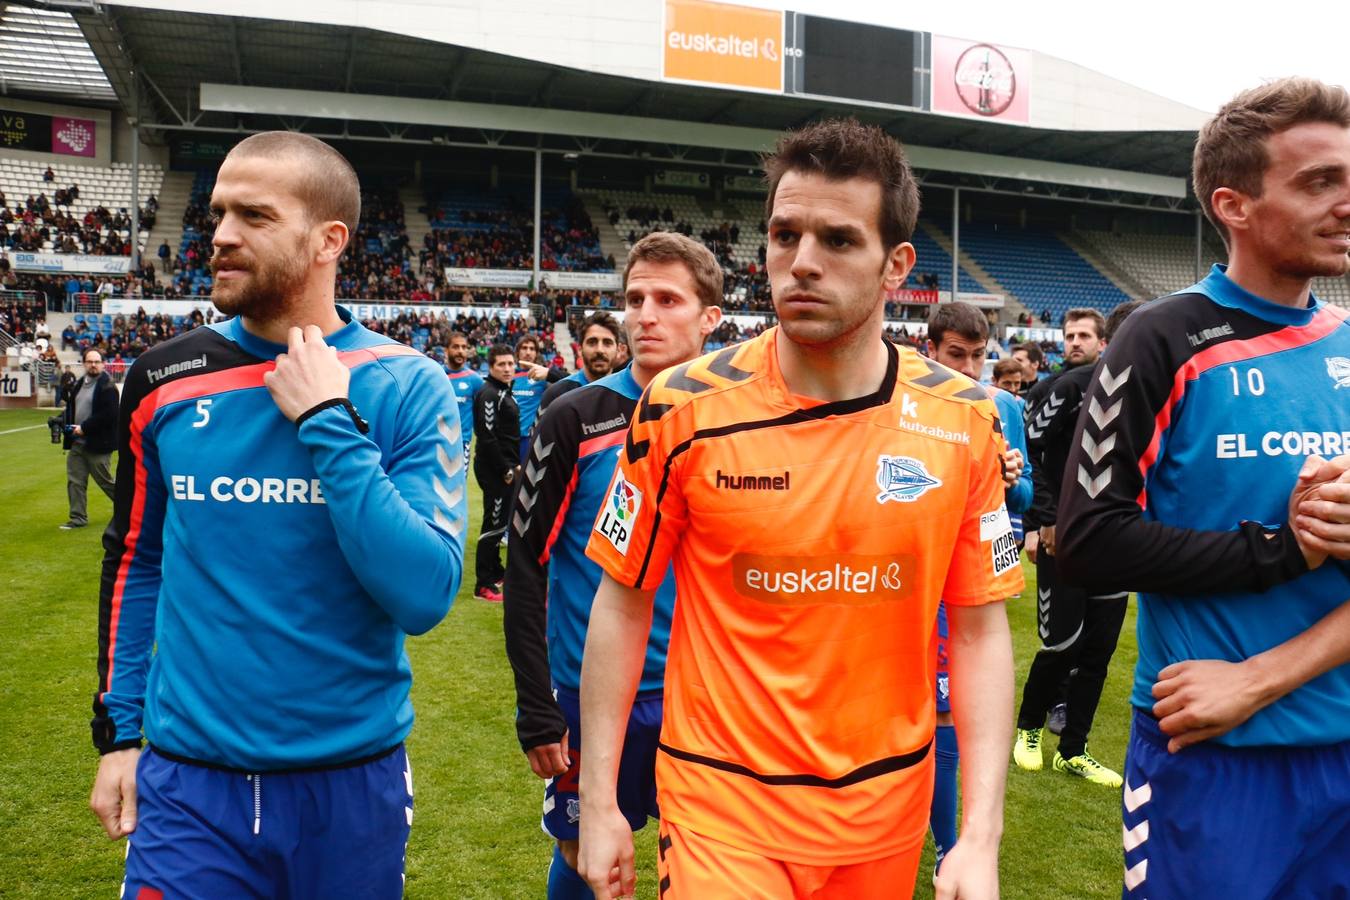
{"x": 80, "y": 209}
{"x": 478, "y": 229}
{"x": 1040, "y": 270}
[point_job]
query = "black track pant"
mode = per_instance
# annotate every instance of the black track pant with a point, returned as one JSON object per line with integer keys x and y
{"x": 1078, "y": 636}
{"x": 496, "y": 506}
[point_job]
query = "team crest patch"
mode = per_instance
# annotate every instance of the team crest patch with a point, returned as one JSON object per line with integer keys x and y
{"x": 573, "y": 811}
{"x": 1338, "y": 367}
{"x": 903, "y": 479}
{"x": 619, "y": 514}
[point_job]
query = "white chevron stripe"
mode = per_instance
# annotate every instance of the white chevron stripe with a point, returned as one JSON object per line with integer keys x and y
{"x": 533, "y": 474}
{"x": 526, "y": 500}
{"x": 1093, "y": 486}
{"x": 1112, "y": 383}
{"x": 1133, "y": 837}
{"x": 454, "y": 529}
{"x": 1135, "y": 874}
{"x": 451, "y": 463}
{"x": 1137, "y": 797}
{"x": 542, "y": 450}
{"x": 407, "y": 772}
{"x": 522, "y": 525}
{"x": 449, "y": 431}
{"x": 1097, "y": 451}
{"x": 1104, "y": 417}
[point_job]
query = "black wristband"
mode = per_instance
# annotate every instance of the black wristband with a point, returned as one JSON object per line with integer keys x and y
{"x": 361, "y": 424}
{"x": 1275, "y": 552}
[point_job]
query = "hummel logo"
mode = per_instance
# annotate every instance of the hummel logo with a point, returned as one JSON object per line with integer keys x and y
{"x": 1135, "y": 836}
{"x": 174, "y": 368}
{"x": 1135, "y": 874}
{"x": 1096, "y": 451}
{"x": 754, "y": 482}
{"x": 1109, "y": 383}
{"x": 1209, "y": 334}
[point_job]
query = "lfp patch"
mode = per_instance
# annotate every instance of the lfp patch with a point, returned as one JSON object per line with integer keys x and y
{"x": 903, "y": 479}
{"x": 619, "y": 514}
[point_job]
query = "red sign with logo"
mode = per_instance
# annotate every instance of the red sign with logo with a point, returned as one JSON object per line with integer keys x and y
{"x": 979, "y": 80}
{"x": 73, "y": 137}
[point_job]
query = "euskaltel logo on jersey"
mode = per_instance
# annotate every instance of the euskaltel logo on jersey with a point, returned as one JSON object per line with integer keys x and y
{"x": 842, "y": 578}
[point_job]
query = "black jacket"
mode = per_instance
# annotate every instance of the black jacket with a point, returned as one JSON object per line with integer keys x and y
{"x": 100, "y": 429}
{"x": 496, "y": 426}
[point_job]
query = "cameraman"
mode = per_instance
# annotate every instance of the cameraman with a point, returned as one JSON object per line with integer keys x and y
{"x": 91, "y": 436}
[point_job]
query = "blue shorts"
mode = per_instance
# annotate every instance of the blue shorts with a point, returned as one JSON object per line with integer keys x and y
{"x": 637, "y": 768}
{"x": 209, "y": 833}
{"x": 1234, "y": 823}
{"x": 943, "y": 688}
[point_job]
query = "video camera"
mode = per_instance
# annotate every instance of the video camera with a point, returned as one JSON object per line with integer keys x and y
{"x": 60, "y": 431}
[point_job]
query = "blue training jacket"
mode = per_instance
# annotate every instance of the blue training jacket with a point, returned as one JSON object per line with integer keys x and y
{"x": 466, "y": 383}
{"x": 1193, "y": 431}
{"x": 259, "y": 578}
{"x": 550, "y": 583}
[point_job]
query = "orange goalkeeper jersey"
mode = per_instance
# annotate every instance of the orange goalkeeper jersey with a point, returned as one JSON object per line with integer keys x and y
{"x": 811, "y": 544}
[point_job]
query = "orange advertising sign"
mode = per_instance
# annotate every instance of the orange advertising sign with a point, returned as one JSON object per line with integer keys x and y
{"x": 721, "y": 44}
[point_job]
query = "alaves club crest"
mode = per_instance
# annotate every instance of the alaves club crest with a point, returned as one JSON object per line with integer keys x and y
{"x": 1338, "y": 367}
{"x": 903, "y": 478}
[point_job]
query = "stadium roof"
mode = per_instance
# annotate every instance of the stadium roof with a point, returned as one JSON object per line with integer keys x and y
{"x": 174, "y": 53}
{"x": 42, "y": 52}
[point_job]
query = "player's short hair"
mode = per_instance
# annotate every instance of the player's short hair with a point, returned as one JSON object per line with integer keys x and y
{"x": 604, "y": 320}
{"x": 1118, "y": 317}
{"x": 670, "y": 247}
{"x": 496, "y": 351}
{"x": 1008, "y": 366}
{"x": 845, "y": 148}
{"x": 1087, "y": 312}
{"x": 958, "y": 318}
{"x": 456, "y": 336}
{"x": 329, "y": 188}
{"x": 1231, "y": 149}
{"x": 1033, "y": 351}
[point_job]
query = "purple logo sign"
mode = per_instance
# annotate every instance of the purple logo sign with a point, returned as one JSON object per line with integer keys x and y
{"x": 73, "y": 137}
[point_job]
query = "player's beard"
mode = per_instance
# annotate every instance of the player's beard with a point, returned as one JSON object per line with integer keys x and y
{"x": 597, "y": 365}
{"x": 269, "y": 288}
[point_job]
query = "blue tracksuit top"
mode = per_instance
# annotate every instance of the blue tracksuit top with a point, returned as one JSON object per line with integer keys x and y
{"x": 259, "y": 578}
{"x": 1193, "y": 430}
{"x": 466, "y": 383}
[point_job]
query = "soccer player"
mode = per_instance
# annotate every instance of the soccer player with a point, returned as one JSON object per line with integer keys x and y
{"x": 466, "y": 382}
{"x": 1078, "y": 629}
{"x": 1032, "y": 356}
{"x": 601, "y": 336}
{"x": 528, "y": 385}
{"x": 817, "y": 489}
{"x": 673, "y": 287}
{"x": 496, "y": 423}
{"x": 281, "y": 474}
{"x": 1195, "y": 479}
{"x": 957, "y": 335}
{"x": 1008, "y": 376}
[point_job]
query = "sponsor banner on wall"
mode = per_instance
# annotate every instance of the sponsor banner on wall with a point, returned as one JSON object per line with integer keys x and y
{"x": 678, "y": 178}
{"x": 46, "y": 134}
{"x": 367, "y": 309}
{"x": 724, "y": 45}
{"x": 979, "y": 80}
{"x": 15, "y": 384}
{"x": 586, "y": 281}
{"x": 747, "y": 184}
{"x": 911, "y": 296}
{"x": 1020, "y": 333}
{"x": 23, "y": 261}
{"x": 488, "y": 277}
{"x": 127, "y": 306}
{"x": 985, "y": 301}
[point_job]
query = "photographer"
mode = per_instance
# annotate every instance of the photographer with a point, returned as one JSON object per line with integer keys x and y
{"x": 91, "y": 436}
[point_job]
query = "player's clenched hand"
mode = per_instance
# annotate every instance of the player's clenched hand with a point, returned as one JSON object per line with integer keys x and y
{"x": 113, "y": 799}
{"x": 968, "y": 873}
{"x": 1012, "y": 466}
{"x": 1047, "y": 536}
{"x": 307, "y": 374}
{"x": 549, "y": 760}
{"x": 1320, "y": 508}
{"x": 1032, "y": 544}
{"x": 605, "y": 857}
{"x": 1202, "y": 698}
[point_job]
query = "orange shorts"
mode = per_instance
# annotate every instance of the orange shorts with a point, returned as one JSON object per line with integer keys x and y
{"x": 691, "y": 865}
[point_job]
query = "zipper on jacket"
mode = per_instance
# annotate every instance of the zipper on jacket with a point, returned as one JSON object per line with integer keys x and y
{"x": 257, "y": 801}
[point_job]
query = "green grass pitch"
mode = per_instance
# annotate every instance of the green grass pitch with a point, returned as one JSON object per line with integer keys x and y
{"x": 476, "y": 832}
